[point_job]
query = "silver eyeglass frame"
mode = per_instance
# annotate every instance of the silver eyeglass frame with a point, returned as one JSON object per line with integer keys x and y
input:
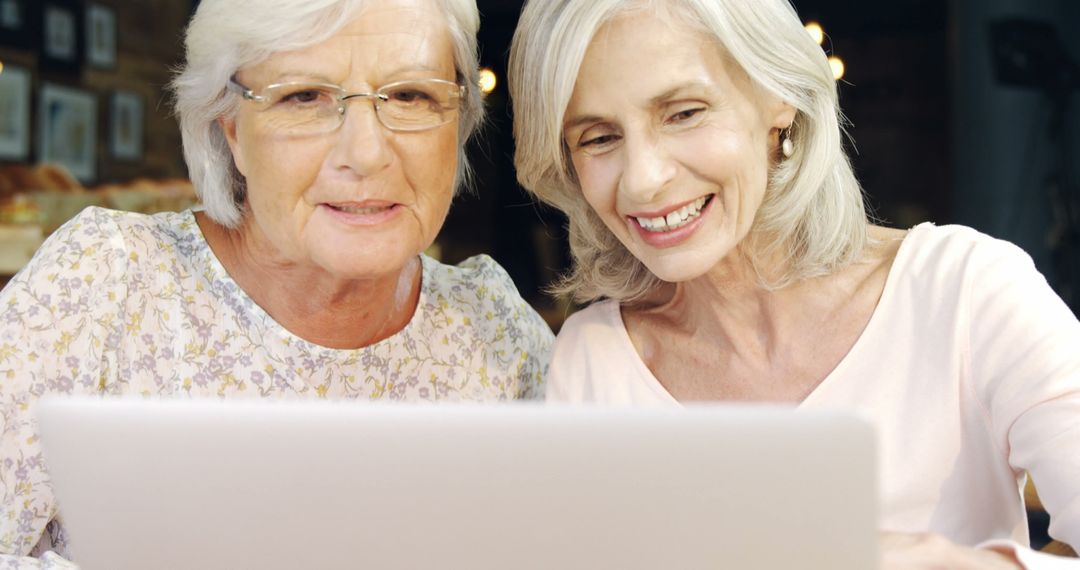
{"x": 377, "y": 96}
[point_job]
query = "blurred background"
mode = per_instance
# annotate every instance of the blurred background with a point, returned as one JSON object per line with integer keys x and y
{"x": 961, "y": 111}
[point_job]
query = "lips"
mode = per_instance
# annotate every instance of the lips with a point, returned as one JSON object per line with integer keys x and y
{"x": 365, "y": 213}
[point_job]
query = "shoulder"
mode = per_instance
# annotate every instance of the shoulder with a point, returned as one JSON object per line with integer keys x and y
{"x": 592, "y": 332}
{"x": 90, "y": 243}
{"x": 477, "y": 279}
{"x": 594, "y": 360}
{"x": 477, "y": 302}
{"x": 154, "y": 231}
{"x": 595, "y": 322}
{"x": 102, "y": 229}
{"x": 955, "y": 276}
{"x": 81, "y": 267}
{"x": 929, "y": 244}
{"x": 940, "y": 255}
{"x": 100, "y": 248}
{"x": 478, "y": 269}
{"x": 482, "y": 290}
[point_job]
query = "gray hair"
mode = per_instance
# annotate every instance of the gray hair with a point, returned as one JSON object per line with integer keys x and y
{"x": 227, "y": 35}
{"x": 812, "y": 214}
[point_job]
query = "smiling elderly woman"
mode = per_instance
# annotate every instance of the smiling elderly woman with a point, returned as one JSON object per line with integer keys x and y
{"x": 716, "y": 222}
{"x": 325, "y": 138}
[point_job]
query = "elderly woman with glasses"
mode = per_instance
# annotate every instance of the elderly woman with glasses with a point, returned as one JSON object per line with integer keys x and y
{"x": 325, "y": 138}
{"x": 720, "y": 235}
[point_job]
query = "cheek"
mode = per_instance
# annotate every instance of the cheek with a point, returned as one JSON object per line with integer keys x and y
{"x": 445, "y": 160}
{"x": 431, "y": 165}
{"x": 596, "y": 177}
{"x": 273, "y": 165}
{"x": 736, "y": 161}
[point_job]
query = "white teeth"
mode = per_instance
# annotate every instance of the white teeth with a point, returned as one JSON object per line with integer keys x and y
{"x": 674, "y": 220}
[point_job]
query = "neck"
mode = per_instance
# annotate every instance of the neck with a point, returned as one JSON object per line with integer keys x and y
{"x": 310, "y": 302}
{"x": 730, "y": 304}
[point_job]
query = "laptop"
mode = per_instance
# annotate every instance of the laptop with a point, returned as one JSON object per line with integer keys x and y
{"x": 212, "y": 484}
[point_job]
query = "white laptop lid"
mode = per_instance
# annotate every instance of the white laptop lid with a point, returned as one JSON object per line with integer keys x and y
{"x": 190, "y": 484}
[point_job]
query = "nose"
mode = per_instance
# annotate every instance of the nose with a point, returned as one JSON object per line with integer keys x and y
{"x": 648, "y": 168}
{"x": 361, "y": 143}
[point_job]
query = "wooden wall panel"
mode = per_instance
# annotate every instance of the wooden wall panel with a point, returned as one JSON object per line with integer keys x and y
{"x": 149, "y": 45}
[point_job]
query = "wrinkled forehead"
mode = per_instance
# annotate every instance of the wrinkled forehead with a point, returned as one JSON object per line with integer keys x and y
{"x": 386, "y": 40}
{"x": 688, "y": 42}
{"x": 675, "y": 13}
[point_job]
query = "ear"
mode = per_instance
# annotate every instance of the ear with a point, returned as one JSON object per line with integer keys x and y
{"x": 228, "y": 126}
{"x": 783, "y": 114}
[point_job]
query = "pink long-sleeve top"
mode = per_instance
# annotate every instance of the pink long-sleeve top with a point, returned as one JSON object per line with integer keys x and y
{"x": 969, "y": 368}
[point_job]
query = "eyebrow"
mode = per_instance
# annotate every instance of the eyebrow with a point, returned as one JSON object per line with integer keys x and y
{"x": 414, "y": 67}
{"x": 653, "y": 101}
{"x": 670, "y": 93}
{"x": 581, "y": 120}
{"x": 297, "y": 75}
{"x": 286, "y": 75}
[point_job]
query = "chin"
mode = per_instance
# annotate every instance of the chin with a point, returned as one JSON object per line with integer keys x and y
{"x": 364, "y": 266}
{"x": 677, "y": 269}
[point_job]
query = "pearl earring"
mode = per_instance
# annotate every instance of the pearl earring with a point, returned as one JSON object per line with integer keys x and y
{"x": 786, "y": 145}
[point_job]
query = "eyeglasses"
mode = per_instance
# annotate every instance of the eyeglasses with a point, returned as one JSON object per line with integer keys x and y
{"x": 298, "y": 108}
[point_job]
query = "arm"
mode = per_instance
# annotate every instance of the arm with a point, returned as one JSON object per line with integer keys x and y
{"x": 53, "y": 339}
{"x": 1025, "y": 367}
{"x": 519, "y": 340}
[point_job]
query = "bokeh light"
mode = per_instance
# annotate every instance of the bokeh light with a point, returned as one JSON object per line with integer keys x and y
{"x": 816, "y": 31}
{"x": 838, "y": 68}
{"x": 488, "y": 80}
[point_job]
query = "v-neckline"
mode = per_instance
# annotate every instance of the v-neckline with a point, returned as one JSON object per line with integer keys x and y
{"x": 876, "y": 318}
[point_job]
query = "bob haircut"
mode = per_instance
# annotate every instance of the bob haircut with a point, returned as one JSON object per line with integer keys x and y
{"x": 812, "y": 216}
{"x": 227, "y": 35}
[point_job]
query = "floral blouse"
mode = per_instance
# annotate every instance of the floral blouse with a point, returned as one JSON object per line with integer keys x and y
{"x": 122, "y": 303}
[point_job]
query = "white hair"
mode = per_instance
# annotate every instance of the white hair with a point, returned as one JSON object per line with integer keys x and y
{"x": 812, "y": 215}
{"x": 227, "y": 35}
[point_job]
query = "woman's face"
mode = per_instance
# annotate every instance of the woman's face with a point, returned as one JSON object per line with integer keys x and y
{"x": 670, "y": 142}
{"x": 361, "y": 201}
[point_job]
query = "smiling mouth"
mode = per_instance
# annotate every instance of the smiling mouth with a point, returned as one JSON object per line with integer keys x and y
{"x": 677, "y": 219}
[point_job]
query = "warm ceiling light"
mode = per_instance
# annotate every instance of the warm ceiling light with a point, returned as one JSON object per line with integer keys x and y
{"x": 488, "y": 80}
{"x": 837, "y": 66}
{"x": 1, "y": 67}
{"x": 816, "y": 32}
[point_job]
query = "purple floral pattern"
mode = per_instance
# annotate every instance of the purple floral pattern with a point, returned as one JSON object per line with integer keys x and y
{"x": 120, "y": 303}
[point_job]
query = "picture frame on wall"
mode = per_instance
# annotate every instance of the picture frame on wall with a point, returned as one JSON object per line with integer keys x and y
{"x": 15, "y": 86}
{"x": 62, "y": 36}
{"x": 67, "y": 130}
{"x": 19, "y": 22}
{"x": 100, "y": 36}
{"x": 11, "y": 16}
{"x": 126, "y": 125}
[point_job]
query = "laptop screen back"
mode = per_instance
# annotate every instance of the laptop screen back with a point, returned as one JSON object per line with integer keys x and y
{"x": 190, "y": 484}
